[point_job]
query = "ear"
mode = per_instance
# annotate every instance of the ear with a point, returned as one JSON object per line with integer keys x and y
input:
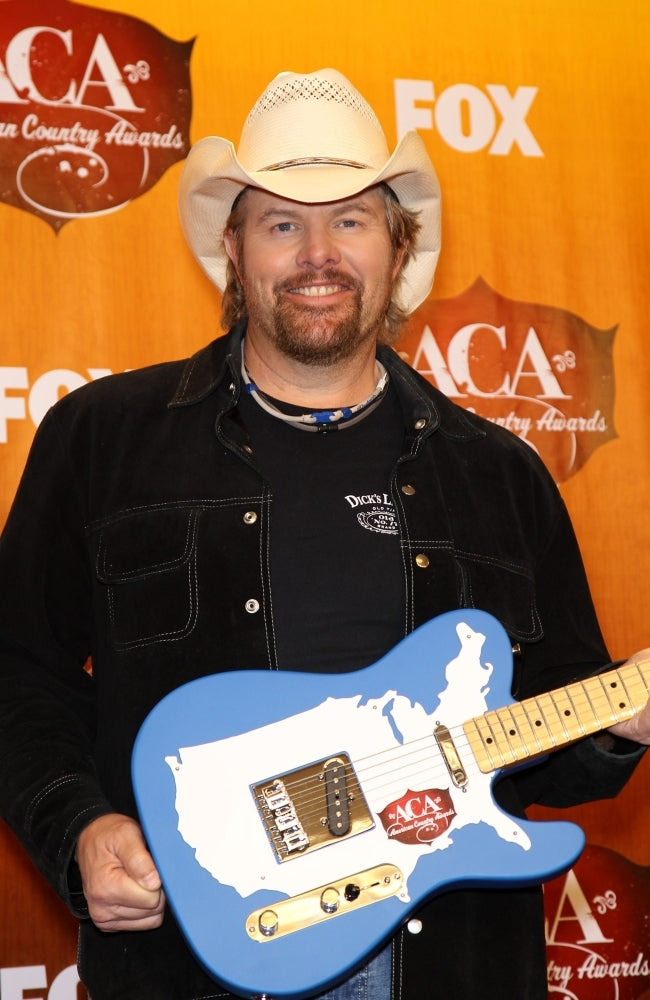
{"x": 230, "y": 246}
{"x": 398, "y": 261}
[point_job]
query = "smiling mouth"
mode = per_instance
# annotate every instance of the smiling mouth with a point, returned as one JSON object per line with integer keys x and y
{"x": 317, "y": 291}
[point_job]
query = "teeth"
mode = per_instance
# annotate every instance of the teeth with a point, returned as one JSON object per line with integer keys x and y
{"x": 315, "y": 290}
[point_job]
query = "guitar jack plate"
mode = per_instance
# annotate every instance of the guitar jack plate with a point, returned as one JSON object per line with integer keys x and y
{"x": 323, "y": 903}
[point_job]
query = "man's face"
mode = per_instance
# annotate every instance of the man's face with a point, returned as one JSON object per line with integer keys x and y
{"x": 317, "y": 278}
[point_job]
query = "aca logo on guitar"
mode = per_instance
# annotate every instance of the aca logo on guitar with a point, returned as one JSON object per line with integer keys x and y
{"x": 419, "y": 817}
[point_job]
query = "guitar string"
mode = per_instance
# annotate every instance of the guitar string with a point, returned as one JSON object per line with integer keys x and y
{"x": 577, "y": 695}
{"x": 308, "y": 794}
{"x": 504, "y": 736}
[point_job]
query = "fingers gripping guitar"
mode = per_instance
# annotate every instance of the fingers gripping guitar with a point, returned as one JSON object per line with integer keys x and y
{"x": 122, "y": 887}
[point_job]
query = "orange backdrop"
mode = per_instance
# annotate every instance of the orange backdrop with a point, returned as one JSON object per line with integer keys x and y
{"x": 536, "y": 118}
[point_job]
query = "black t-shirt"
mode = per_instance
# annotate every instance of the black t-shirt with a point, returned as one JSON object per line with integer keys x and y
{"x": 336, "y": 573}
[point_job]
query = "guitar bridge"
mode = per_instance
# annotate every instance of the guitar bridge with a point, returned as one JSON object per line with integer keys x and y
{"x": 311, "y": 807}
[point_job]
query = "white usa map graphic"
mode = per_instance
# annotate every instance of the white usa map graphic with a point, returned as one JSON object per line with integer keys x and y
{"x": 218, "y": 818}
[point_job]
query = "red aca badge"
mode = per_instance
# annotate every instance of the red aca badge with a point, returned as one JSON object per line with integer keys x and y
{"x": 419, "y": 817}
{"x": 542, "y": 372}
{"x": 94, "y": 107}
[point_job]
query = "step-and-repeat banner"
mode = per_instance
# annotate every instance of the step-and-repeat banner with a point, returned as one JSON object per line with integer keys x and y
{"x": 536, "y": 117}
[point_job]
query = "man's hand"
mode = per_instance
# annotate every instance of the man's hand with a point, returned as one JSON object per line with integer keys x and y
{"x": 121, "y": 884}
{"x": 637, "y": 728}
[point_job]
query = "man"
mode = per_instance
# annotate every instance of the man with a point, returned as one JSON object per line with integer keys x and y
{"x": 201, "y": 516}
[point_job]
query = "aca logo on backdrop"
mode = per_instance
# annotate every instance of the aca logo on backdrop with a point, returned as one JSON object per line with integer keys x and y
{"x": 94, "y": 107}
{"x": 542, "y": 372}
{"x": 597, "y": 929}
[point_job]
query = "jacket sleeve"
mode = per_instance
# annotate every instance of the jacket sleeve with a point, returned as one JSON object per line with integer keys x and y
{"x": 48, "y": 790}
{"x": 572, "y": 648}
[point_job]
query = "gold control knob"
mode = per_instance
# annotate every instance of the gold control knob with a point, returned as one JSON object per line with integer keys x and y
{"x": 268, "y": 923}
{"x": 329, "y": 900}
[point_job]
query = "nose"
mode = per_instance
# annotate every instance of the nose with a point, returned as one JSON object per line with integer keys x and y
{"x": 318, "y": 247}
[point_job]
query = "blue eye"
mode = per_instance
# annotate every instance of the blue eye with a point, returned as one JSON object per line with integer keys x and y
{"x": 284, "y": 227}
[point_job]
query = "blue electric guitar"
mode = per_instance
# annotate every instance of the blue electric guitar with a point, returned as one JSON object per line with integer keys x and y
{"x": 297, "y": 820}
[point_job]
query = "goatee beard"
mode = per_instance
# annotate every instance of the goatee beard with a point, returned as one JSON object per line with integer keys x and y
{"x": 320, "y": 336}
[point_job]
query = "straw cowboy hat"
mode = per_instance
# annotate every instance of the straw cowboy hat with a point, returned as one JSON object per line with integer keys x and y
{"x": 311, "y": 138}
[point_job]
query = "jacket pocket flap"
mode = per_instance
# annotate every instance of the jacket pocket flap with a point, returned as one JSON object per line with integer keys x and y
{"x": 144, "y": 544}
{"x": 505, "y": 590}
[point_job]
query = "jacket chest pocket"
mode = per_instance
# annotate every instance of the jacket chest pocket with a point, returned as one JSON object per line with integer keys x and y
{"x": 446, "y": 578}
{"x": 503, "y": 588}
{"x": 147, "y": 564}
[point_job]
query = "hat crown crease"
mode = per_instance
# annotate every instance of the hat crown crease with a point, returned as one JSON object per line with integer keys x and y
{"x": 311, "y": 117}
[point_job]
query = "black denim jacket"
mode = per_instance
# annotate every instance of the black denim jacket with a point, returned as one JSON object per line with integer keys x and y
{"x": 138, "y": 538}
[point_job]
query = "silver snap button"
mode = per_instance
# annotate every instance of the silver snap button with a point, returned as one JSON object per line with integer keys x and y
{"x": 250, "y": 517}
{"x": 420, "y": 424}
{"x": 414, "y": 926}
{"x": 252, "y": 606}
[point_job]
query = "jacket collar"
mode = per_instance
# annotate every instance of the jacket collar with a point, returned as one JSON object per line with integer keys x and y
{"x": 210, "y": 369}
{"x": 216, "y": 368}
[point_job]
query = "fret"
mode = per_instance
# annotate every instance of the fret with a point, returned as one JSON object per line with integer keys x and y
{"x": 587, "y": 705}
{"x": 602, "y": 699}
{"x": 544, "y": 722}
{"x": 537, "y": 725}
{"x": 549, "y": 719}
{"x": 511, "y": 732}
{"x": 635, "y": 684}
{"x": 506, "y": 733}
{"x": 569, "y": 702}
{"x": 527, "y": 729}
{"x": 483, "y": 743}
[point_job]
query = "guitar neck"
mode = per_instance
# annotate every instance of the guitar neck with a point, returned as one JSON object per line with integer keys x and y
{"x": 530, "y": 728}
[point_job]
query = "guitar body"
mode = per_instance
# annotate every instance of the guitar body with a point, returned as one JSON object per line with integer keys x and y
{"x": 297, "y": 820}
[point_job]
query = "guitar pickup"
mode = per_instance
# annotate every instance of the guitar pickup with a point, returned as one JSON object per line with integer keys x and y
{"x": 311, "y": 807}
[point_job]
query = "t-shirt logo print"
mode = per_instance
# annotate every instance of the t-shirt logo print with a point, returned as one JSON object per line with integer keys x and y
{"x": 374, "y": 511}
